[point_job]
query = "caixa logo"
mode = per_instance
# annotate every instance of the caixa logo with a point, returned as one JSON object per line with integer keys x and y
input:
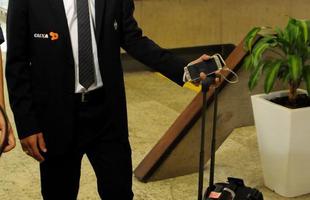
{"x": 51, "y": 36}
{"x": 41, "y": 36}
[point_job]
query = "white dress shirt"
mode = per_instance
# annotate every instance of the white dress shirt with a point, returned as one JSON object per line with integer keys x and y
{"x": 71, "y": 13}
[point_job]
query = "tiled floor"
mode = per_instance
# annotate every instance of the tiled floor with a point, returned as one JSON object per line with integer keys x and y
{"x": 150, "y": 99}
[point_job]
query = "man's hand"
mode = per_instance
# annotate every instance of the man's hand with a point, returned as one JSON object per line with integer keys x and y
{"x": 32, "y": 145}
{"x": 202, "y": 74}
{"x": 11, "y": 140}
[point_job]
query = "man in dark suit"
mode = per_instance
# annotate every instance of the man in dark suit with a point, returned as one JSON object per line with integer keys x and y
{"x": 67, "y": 91}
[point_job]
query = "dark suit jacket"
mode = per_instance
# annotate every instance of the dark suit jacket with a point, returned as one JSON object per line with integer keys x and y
{"x": 40, "y": 71}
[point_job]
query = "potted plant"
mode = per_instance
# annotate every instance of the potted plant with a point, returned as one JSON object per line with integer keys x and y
{"x": 282, "y": 118}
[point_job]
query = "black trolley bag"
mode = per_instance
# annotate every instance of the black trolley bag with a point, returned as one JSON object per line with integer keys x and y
{"x": 234, "y": 188}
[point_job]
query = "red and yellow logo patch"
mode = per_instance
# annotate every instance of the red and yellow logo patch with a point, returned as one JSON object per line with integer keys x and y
{"x": 54, "y": 36}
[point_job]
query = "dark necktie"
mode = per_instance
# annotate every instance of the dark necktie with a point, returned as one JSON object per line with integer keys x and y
{"x": 86, "y": 59}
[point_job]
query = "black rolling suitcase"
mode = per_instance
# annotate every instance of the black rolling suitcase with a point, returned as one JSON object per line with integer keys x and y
{"x": 234, "y": 188}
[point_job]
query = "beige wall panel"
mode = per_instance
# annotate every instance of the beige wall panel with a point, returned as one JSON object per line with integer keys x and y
{"x": 183, "y": 23}
{"x": 180, "y": 23}
{"x": 240, "y": 16}
{"x": 300, "y": 9}
{"x": 137, "y": 13}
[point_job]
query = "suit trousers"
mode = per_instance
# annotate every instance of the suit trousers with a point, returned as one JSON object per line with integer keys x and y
{"x": 110, "y": 159}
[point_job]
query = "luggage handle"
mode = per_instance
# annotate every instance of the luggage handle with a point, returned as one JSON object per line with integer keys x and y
{"x": 205, "y": 88}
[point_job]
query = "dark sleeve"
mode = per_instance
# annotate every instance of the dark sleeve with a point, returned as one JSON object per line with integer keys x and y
{"x": 1, "y": 36}
{"x": 146, "y": 51}
{"x": 18, "y": 68}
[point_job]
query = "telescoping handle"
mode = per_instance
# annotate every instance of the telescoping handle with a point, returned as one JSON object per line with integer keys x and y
{"x": 205, "y": 88}
{"x": 213, "y": 148}
{"x": 213, "y": 141}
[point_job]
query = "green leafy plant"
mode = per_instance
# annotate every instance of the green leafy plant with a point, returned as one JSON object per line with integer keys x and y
{"x": 290, "y": 63}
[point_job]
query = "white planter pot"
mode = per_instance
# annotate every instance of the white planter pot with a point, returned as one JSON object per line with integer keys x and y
{"x": 284, "y": 145}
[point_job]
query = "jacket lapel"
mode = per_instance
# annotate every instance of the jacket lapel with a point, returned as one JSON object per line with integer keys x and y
{"x": 60, "y": 18}
{"x": 100, "y": 10}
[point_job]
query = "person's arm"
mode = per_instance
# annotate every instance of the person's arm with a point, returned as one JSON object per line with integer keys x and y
{"x": 18, "y": 75}
{"x": 11, "y": 143}
{"x": 148, "y": 52}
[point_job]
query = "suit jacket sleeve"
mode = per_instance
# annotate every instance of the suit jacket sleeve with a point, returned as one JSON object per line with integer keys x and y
{"x": 145, "y": 50}
{"x": 18, "y": 69}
